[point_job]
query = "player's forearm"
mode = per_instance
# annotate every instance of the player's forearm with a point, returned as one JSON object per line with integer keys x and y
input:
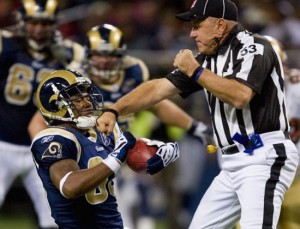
{"x": 81, "y": 182}
{"x": 171, "y": 114}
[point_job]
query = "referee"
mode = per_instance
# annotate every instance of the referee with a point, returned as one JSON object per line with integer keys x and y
{"x": 242, "y": 76}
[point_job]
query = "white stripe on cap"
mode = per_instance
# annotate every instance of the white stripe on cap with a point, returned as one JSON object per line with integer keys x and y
{"x": 223, "y": 9}
{"x": 205, "y": 7}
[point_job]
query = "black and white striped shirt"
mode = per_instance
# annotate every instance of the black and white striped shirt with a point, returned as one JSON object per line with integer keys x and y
{"x": 250, "y": 59}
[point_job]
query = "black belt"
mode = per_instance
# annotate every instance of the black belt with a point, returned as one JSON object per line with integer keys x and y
{"x": 232, "y": 149}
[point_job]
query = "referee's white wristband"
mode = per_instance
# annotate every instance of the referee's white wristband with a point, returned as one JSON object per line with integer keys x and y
{"x": 62, "y": 182}
{"x": 112, "y": 163}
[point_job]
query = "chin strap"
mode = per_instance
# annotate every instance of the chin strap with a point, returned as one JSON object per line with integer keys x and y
{"x": 86, "y": 122}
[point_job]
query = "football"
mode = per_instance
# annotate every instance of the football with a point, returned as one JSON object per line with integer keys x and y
{"x": 137, "y": 156}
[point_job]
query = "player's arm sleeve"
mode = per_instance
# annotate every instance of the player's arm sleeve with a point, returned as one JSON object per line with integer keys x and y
{"x": 184, "y": 83}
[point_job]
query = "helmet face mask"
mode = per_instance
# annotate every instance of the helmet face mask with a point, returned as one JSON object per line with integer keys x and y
{"x": 81, "y": 100}
{"x": 67, "y": 96}
{"x": 37, "y": 22}
{"x": 105, "y": 49}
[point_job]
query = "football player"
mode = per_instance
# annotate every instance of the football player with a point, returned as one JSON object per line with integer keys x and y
{"x": 75, "y": 162}
{"x": 26, "y": 57}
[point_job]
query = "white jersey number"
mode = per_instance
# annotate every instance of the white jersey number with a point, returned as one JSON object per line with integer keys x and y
{"x": 99, "y": 194}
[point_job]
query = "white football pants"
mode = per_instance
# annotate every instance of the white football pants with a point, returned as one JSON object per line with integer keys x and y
{"x": 250, "y": 187}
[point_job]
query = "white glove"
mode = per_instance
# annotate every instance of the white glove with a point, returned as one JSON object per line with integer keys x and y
{"x": 166, "y": 153}
{"x": 124, "y": 142}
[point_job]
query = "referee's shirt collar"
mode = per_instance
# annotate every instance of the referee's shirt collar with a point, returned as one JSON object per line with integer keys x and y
{"x": 223, "y": 47}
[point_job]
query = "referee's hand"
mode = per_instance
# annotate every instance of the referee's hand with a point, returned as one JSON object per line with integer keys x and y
{"x": 105, "y": 123}
{"x": 186, "y": 62}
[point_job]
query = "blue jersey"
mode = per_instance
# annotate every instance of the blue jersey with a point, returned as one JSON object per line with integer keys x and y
{"x": 98, "y": 208}
{"x": 133, "y": 73}
{"x": 21, "y": 71}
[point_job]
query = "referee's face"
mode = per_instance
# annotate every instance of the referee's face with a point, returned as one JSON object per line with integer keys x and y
{"x": 205, "y": 33}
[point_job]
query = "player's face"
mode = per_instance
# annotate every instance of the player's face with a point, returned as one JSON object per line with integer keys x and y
{"x": 104, "y": 68}
{"x": 39, "y": 30}
{"x": 104, "y": 62}
{"x": 205, "y": 32}
{"x": 82, "y": 105}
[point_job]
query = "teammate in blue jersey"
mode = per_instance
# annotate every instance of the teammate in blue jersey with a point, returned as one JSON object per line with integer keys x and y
{"x": 27, "y": 55}
{"x": 75, "y": 162}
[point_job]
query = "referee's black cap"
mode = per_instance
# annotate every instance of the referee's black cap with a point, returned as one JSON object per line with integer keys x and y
{"x": 202, "y": 9}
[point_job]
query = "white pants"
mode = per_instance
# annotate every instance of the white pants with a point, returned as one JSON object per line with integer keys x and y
{"x": 17, "y": 161}
{"x": 250, "y": 188}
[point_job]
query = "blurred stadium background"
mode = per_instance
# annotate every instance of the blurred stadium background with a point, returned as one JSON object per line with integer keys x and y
{"x": 152, "y": 33}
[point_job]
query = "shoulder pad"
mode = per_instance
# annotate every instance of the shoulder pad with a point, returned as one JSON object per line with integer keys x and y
{"x": 55, "y": 131}
{"x": 130, "y": 61}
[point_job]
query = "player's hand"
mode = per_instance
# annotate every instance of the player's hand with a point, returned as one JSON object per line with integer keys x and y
{"x": 295, "y": 129}
{"x": 200, "y": 131}
{"x": 166, "y": 153}
{"x": 124, "y": 142}
{"x": 105, "y": 123}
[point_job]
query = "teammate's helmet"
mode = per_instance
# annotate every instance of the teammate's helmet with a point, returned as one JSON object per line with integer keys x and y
{"x": 278, "y": 47}
{"x": 57, "y": 92}
{"x": 38, "y": 10}
{"x": 105, "y": 40}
